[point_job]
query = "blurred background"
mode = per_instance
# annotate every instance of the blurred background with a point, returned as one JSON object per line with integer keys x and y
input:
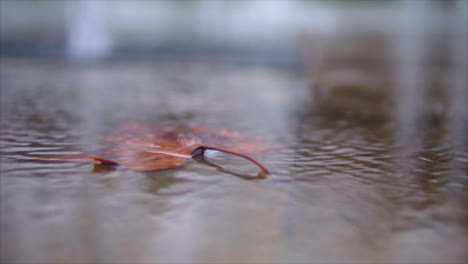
{"x": 369, "y": 99}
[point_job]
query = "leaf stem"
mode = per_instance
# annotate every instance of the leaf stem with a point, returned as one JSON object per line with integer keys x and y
{"x": 203, "y": 148}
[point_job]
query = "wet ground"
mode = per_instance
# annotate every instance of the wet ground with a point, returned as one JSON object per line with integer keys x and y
{"x": 344, "y": 188}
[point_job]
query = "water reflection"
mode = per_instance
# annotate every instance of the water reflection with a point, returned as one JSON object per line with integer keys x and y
{"x": 458, "y": 95}
{"x": 410, "y": 76}
{"x": 201, "y": 159}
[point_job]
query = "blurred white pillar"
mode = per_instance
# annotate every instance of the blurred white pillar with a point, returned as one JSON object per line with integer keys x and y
{"x": 211, "y": 20}
{"x": 88, "y": 34}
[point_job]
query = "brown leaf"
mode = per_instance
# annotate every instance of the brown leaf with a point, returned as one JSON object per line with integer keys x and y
{"x": 141, "y": 147}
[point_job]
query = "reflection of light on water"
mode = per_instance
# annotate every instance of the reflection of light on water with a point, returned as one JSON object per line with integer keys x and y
{"x": 458, "y": 86}
{"x": 88, "y": 37}
{"x": 412, "y": 82}
{"x": 410, "y": 51}
{"x": 92, "y": 106}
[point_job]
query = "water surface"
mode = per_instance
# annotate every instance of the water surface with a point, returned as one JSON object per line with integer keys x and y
{"x": 343, "y": 189}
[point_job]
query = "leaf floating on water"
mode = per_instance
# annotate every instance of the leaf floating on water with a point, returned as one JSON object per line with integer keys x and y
{"x": 141, "y": 147}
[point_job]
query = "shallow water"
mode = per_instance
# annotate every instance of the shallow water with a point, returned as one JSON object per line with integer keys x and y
{"x": 343, "y": 188}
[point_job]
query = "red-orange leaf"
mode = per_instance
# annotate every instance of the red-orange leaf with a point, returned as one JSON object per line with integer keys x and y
{"x": 142, "y": 147}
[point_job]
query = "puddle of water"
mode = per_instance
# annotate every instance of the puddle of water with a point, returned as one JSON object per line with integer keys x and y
{"x": 337, "y": 193}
